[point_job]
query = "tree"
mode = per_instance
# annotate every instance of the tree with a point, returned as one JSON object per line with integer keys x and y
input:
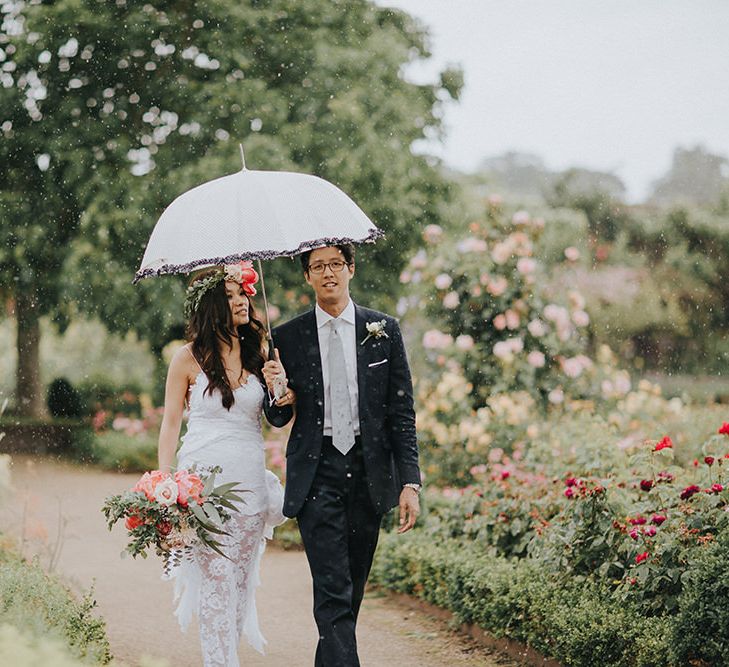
{"x": 696, "y": 177}
{"x": 110, "y": 110}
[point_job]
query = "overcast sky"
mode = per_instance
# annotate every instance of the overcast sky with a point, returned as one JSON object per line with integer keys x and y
{"x": 606, "y": 84}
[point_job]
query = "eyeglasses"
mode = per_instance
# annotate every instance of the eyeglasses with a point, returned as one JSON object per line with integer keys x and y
{"x": 337, "y": 265}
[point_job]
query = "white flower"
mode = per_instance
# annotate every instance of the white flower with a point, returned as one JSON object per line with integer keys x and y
{"x": 419, "y": 260}
{"x": 520, "y": 218}
{"x": 536, "y": 359}
{"x": 526, "y": 265}
{"x": 580, "y": 318}
{"x": 472, "y": 244}
{"x": 375, "y": 330}
{"x": 556, "y": 396}
{"x": 432, "y": 233}
{"x": 537, "y": 328}
{"x": 451, "y": 300}
{"x": 435, "y": 340}
{"x": 234, "y": 272}
{"x": 464, "y": 342}
{"x": 443, "y": 281}
{"x": 166, "y": 492}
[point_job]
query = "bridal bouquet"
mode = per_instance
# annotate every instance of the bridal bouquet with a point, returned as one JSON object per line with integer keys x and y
{"x": 172, "y": 513}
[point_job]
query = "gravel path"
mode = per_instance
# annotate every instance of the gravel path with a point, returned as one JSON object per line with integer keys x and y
{"x": 61, "y": 499}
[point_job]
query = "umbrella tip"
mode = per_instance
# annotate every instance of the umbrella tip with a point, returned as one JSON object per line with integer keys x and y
{"x": 242, "y": 157}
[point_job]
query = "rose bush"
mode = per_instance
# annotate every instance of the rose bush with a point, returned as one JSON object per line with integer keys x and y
{"x": 484, "y": 293}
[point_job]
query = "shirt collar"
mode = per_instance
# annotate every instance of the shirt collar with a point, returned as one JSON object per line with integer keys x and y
{"x": 322, "y": 317}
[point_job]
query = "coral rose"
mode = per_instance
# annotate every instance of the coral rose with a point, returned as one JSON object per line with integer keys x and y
{"x": 190, "y": 487}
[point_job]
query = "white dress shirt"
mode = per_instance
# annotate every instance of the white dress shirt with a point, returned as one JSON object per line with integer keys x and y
{"x": 349, "y": 343}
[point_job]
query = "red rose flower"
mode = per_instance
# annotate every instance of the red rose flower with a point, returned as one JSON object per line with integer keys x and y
{"x": 571, "y": 481}
{"x": 641, "y": 557}
{"x": 716, "y": 488}
{"x": 505, "y": 474}
{"x": 663, "y": 444}
{"x": 709, "y": 460}
{"x": 646, "y": 484}
{"x": 133, "y": 521}
{"x": 689, "y": 491}
{"x": 658, "y": 519}
{"x": 724, "y": 430}
{"x": 569, "y": 492}
{"x": 650, "y": 531}
{"x": 637, "y": 521}
{"x": 164, "y": 528}
{"x": 634, "y": 533}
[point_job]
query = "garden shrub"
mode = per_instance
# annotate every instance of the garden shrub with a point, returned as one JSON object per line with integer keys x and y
{"x": 63, "y": 400}
{"x": 22, "y": 649}
{"x": 39, "y": 604}
{"x": 700, "y": 633}
{"x": 578, "y": 623}
{"x": 115, "y": 450}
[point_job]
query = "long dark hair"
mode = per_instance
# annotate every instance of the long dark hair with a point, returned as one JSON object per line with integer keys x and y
{"x": 210, "y": 325}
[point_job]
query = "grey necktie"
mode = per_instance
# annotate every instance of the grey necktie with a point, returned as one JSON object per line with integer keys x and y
{"x": 339, "y": 400}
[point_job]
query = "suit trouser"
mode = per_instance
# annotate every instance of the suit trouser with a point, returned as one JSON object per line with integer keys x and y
{"x": 339, "y": 528}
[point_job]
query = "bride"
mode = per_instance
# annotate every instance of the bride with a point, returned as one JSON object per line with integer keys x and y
{"x": 218, "y": 375}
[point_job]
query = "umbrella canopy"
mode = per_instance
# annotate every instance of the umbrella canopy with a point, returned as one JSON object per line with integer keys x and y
{"x": 252, "y": 215}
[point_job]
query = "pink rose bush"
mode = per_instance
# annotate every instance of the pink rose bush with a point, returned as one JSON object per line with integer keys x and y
{"x": 172, "y": 512}
{"x": 488, "y": 285}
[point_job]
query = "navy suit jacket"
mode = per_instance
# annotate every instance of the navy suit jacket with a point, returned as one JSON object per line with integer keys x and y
{"x": 386, "y": 413}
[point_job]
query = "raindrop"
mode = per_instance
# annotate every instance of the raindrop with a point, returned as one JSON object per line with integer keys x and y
{"x": 44, "y": 57}
{"x": 221, "y": 134}
{"x": 197, "y": 24}
{"x": 256, "y": 125}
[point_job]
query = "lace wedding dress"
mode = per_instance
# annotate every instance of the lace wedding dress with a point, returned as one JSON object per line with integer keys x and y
{"x": 221, "y": 591}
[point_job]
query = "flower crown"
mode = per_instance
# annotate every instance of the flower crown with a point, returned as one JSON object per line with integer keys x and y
{"x": 242, "y": 273}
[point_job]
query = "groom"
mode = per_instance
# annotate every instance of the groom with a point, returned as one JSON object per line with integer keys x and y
{"x": 352, "y": 453}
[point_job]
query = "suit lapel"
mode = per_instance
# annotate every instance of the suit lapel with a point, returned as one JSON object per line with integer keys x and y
{"x": 310, "y": 343}
{"x": 360, "y": 322}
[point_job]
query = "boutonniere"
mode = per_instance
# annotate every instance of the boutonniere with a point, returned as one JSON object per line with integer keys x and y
{"x": 375, "y": 330}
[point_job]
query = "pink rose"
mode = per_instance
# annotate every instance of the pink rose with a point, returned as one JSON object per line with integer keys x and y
{"x": 500, "y": 322}
{"x": 658, "y": 519}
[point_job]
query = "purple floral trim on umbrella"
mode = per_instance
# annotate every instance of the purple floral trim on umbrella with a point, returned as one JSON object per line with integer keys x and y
{"x": 373, "y": 235}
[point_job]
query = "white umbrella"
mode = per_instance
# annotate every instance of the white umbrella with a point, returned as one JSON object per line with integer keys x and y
{"x": 252, "y": 215}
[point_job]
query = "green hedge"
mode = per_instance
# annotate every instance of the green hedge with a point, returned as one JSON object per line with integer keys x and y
{"x": 114, "y": 450}
{"x": 575, "y": 622}
{"x": 42, "y": 607}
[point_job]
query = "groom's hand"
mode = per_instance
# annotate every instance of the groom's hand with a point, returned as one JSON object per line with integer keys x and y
{"x": 409, "y": 509}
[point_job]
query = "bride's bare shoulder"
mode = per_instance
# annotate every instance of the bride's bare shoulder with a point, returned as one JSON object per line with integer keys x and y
{"x": 184, "y": 362}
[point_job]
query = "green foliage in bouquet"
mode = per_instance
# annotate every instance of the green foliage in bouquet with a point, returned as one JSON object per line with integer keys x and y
{"x": 173, "y": 512}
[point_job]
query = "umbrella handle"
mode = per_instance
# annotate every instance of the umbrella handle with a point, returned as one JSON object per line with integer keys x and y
{"x": 271, "y": 349}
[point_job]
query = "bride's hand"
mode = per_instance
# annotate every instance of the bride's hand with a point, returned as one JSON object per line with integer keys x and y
{"x": 272, "y": 369}
{"x": 289, "y": 398}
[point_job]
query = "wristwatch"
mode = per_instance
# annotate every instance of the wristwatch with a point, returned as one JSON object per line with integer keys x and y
{"x": 412, "y": 485}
